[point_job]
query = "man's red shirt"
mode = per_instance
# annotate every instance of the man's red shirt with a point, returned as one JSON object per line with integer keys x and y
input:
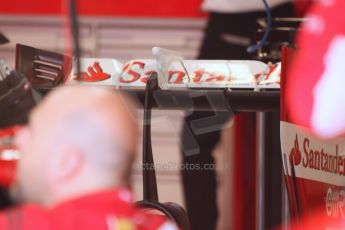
{"x": 107, "y": 210}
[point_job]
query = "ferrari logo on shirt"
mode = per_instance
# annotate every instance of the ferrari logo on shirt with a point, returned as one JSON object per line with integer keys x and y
{"x": 124, "y": 224}
{"x": 115, "y": 223}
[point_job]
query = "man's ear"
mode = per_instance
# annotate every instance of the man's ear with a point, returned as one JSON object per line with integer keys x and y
{"x": 68, "y": 164}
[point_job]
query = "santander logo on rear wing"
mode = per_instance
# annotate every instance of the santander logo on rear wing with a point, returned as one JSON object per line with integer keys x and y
{"x": 174, "y": 72}
{"x": 94, "y": 73}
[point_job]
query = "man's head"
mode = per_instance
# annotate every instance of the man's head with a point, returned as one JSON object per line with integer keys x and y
{"x": 79, "y": 140}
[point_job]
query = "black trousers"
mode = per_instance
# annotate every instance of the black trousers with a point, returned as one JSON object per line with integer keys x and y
{"x": 5, "y": 200}
{"x": 200, "y": 185}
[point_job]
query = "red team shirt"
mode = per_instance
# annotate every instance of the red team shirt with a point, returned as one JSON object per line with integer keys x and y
{"x": 316, "y": 83}
{"x": 107, "y": 210}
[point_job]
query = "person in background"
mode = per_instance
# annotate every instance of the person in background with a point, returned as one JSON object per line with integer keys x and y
{"x": 77, "y": 155}
{"x": 230, "y": 30}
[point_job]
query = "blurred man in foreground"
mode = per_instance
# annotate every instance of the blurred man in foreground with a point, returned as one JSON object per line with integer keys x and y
{"x": 77, "y": 154}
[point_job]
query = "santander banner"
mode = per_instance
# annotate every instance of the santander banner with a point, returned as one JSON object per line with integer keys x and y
{"x": 318, "y": 168}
